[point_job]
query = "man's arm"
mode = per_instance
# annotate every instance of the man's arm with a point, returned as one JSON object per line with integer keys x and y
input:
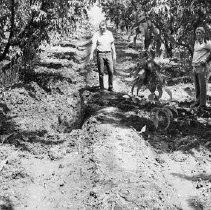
{"x": 208, "y": 59}
{"x": 208, "y": 47}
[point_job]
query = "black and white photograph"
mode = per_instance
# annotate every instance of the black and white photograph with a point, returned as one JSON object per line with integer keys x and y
{"x": 105, "y": 105}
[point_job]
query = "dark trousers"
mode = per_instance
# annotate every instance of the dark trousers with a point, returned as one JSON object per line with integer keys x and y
{"x": 200, "y": 82}
{"x": 105, "y": 59}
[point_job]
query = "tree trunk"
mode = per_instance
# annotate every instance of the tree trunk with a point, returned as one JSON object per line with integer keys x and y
{"x": 12, "y": 20}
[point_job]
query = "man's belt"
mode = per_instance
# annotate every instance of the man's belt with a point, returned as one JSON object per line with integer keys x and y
{"x": 103, "y": 51}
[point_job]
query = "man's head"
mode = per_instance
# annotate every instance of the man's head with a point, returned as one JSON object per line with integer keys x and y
{"x": 103, "y": 26}
{"x": 200, "y": 33}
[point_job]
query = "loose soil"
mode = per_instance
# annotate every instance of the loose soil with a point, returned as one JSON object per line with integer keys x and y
{"x": 67, "y": 145}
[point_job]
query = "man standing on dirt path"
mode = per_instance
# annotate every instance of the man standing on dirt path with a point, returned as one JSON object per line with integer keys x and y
{"x": 200, "y": 62}
{"x": 103, "y": 41}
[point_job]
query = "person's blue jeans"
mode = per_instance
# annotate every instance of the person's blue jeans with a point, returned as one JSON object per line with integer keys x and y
{"x": 104, "y": 59}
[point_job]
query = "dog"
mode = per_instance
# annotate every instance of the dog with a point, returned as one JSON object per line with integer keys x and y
{"x": 151, "y": 78}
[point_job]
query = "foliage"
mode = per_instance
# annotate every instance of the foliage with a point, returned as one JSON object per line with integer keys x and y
{"x": 175, "y": 20}
{"x": 26, "y": 23}
{"x": 66, "y": 15}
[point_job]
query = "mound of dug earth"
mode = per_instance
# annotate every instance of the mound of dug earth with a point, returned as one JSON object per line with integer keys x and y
{"x": 125, "y": 174}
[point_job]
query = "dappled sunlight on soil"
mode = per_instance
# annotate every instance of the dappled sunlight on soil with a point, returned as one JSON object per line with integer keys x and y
{"x": 67, "y": 145}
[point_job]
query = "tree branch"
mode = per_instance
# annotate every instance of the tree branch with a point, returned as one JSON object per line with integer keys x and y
{"x": 172, "y": 40}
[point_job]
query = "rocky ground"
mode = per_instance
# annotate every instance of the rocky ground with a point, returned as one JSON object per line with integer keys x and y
{"x": 66, "y": 145}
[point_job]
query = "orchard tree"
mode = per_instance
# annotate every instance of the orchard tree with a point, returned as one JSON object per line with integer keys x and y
{"x": 24, "y": 24}
{"x": 170, "y": 22}
{"x": 178, "y": 19}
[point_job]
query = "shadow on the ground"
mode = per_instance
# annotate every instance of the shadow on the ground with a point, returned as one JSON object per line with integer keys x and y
{"x": 6, "y": 204}
{"x": 21, "y": 139}
{"x": 68, "y": 44}
{"x": 4, "y": 108}
{"x": 122, "y": 119}
{"x": 174, "y": 71}
{"x": 188, "y": 130}
{"x": 71, "y": 56}
{"x": 195, "y": 178}
{"x": 185, "y": 132}
{"x": 67, "y": 55}
{"x": 6, "y": 124}
{"x": 176, "y": 80}
{"x": 51, "y": 65}
{"x": 121, "y": 45}
{"x": 10, "y": 133}
{"x": 123, "y": 54}
{"x": 195, "y": 204}
{"x": 45, "y": 80}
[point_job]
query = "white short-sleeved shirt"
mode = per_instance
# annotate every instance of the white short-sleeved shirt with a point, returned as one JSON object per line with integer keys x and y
{"x": 103, "y": 41}
{"x": 201, "y": 52}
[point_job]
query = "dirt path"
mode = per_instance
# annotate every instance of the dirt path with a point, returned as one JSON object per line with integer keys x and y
{"x": 105, "y": 164}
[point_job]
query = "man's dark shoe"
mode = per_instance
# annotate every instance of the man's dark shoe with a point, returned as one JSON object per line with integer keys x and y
{"x": 110, "y": 89}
